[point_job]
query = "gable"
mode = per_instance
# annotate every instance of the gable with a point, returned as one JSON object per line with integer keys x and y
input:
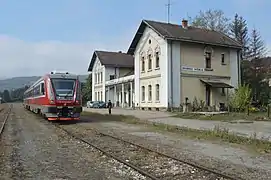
{"x": 149, "y": 35}
{"x": 92, "y": 61}
{"x": 97, "y": 63}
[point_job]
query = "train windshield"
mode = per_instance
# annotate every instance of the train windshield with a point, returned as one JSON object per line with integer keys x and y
{"x": 64, "y": 87}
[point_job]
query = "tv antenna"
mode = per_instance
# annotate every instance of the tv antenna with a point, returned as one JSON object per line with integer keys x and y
{"x": 168, "y": 10}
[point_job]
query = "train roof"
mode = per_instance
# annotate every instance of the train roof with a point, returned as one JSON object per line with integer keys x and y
{"x": 55, "y": 75}
{"x": 62, "y": 75}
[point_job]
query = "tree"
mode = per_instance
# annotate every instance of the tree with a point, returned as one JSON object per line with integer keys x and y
{"x": 211, "y": 19}
{"x": 18, "y": 94}
{"x": 255, "y": 73}
{"x": 239, "y": 31}
{"x": 87, "y": 89}
{"x": 6, "y": 96}
{"x": 257, "y": 46}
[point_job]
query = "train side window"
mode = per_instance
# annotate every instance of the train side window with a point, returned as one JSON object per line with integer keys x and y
{"x": 42, "y": 89}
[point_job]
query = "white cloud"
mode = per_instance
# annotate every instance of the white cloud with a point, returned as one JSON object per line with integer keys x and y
{"x": 22, "y": 58}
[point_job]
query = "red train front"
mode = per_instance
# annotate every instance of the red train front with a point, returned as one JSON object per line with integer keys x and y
{"x": 56, "y": 96}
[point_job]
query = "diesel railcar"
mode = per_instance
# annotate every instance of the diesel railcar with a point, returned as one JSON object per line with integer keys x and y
{"x": 55, "y": 96}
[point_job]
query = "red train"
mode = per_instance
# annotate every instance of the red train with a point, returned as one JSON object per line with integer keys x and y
{"x": 56, "y": 96}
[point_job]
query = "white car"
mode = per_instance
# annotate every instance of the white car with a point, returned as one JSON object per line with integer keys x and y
{"x": 90, "y": 104}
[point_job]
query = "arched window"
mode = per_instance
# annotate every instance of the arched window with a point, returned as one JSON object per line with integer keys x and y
{"x": 142, "y": 56}
{"x": 143, "y": 93}
{"x": 149, "y": 53}
{"x": 157, "y": 57}
{"x": 142, "y": 64}
{"x": 150, "y": 93}
{"x": 149, "y": 62}
{"x": 157, "y": 92}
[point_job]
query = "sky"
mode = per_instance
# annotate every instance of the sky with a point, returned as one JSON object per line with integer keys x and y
{"x": 37, "y": 36}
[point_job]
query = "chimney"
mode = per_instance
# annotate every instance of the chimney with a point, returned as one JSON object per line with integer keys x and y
{"x": 184, "y": 23}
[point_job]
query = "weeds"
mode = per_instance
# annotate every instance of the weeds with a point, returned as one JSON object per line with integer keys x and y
{"x": 225, "y": 117}
{"x": 217, "y": 133}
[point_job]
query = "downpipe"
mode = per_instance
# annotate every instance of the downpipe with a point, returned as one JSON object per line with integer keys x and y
{"x": 171, "y": 77}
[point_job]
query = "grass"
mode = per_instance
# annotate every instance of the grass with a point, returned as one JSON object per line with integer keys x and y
{"x": 258, "y": 116}
{"x": 218, "y": 134}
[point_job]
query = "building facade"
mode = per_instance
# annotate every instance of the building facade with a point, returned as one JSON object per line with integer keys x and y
{"x": 112, "y": 77}
{"x": 175, "y": 64}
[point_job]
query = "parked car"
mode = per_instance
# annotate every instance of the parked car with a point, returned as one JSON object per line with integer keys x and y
{"x": 90, "y": 104}
{"x": 99, "y": 104}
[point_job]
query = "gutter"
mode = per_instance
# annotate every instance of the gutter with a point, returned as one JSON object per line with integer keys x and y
{"x": 171, "y": 74}
{"x": 201, "y": 42}
{"x": 239, "y": 68}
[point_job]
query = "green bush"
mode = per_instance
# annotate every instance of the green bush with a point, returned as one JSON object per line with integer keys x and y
{"x": 253, "y": 109}
{"x": 241, "y": 98}
{"x": 198, "y": 105}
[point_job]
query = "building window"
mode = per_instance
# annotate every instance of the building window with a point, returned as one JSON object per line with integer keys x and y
{"x": 101, "y": 95}
{"x": 98, "y": 81}
{"x": 101, "y": 76}
{"x": 149, "y": 41}
{"x": 208, "y": 60}
{"x": 150, "y": 93}
{"x": 222, "y": 59}
{"x": 112, "y": 77}
{"x": 143, "y": 93}
{"x": 142, "y": 64}
{"x": 157, "y": 92}
{"x": 157, "y": 63}
{"x": 95, "y": 80}
{"x": 223, "y": 92}
{"x": 98, "y": 94}
{"x": 149, "y": 62}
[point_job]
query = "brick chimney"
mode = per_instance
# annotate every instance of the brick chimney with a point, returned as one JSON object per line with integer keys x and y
{"x": 184, "y": 23}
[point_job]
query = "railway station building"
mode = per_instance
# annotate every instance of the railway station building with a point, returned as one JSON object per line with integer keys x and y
{"x": 112, "y": 77}
{"x": 166, "y": 66}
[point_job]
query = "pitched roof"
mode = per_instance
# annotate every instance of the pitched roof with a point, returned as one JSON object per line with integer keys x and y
{"x": 177, "y": 32}
{"x": 112, "y": 59}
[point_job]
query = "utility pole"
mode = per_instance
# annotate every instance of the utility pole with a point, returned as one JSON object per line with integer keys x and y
{"x": 168, "y": 10}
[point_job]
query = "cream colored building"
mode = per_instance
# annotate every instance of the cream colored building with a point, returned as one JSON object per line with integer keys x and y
{"x": 175, "y": 62}
{"x": 172, "y": 63}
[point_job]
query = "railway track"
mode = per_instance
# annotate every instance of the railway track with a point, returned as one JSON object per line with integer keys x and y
{"x": 143, "y": 159}
{"x": 5, "y": 118}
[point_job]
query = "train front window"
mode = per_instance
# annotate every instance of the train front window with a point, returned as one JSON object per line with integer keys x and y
{"x": 63, "y": 87}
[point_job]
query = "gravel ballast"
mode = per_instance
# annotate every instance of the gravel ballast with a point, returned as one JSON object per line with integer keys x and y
{"x": 32, "y": 149}
{"x": 153, "y": 163}
{"x": 226, "y": 158}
